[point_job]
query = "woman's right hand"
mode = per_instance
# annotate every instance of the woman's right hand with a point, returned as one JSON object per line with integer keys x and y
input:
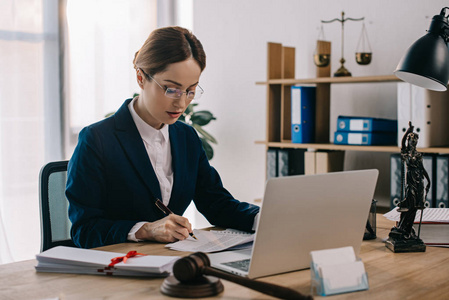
{"x": 170, "y": 229}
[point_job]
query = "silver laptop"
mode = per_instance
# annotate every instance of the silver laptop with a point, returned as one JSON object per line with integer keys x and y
{"x": 300, "y": 214}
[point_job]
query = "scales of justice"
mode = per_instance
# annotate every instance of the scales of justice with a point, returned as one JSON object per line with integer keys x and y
{"x": 363, "y": 53}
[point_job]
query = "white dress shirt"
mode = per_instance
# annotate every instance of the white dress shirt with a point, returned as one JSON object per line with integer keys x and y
{"x": 157, "y": 144}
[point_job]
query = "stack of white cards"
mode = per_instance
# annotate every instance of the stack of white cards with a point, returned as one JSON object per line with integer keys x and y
{"x": 336, "y": 271}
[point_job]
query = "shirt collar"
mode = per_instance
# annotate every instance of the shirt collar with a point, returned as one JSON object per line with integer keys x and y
{"x": 147, "y": 132}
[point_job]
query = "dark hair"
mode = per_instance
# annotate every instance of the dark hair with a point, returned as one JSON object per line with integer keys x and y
{"x": 168, "y": 45}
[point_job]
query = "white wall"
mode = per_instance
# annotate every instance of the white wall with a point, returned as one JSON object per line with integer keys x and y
{"x": 234, "y": 34}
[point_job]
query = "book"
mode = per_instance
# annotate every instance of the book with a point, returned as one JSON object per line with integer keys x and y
{"x": 62, "y": 259}
{"x": 347, "y": 123}
{"x": 364, "y": 138}
{"x": 434, "y": 233}
{"x": 303, "y": 114}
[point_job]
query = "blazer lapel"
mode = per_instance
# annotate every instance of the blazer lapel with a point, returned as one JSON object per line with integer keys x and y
{"x": 178, "y": 152}
{"x": 132, "y": 144}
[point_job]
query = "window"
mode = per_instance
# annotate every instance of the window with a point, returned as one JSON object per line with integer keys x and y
{"x": 103, "y": 36}
{"x": 29, "y": 90}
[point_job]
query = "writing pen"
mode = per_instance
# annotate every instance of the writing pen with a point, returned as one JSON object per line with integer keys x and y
{"x": 167, "y": 211}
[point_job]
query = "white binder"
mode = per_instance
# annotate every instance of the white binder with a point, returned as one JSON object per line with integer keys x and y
{"x": 427, "y": 110}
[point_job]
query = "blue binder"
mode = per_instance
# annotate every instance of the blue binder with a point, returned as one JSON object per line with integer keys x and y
{"x": 303, "y": 114}
{"x": 345, "y": 123}
{"x": 364, "y": 138}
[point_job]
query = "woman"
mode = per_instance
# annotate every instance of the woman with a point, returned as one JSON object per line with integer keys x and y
{"x": 122, "y": 164}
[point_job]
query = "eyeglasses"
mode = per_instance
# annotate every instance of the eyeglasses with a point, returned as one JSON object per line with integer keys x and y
{"x": 177, "y": 93}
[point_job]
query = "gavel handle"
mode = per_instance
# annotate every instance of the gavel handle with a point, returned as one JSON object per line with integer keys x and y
{"x": 263, "y": 287}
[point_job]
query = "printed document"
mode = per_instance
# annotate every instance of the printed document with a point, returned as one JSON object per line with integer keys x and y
{"x": 213, "y": 241}
{"x": 429, "y": 215}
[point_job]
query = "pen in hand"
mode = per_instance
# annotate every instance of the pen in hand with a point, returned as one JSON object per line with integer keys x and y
{"x": 167, "y": 211}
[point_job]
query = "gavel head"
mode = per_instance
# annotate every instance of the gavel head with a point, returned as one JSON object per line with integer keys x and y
{"x": 190, "y": 268}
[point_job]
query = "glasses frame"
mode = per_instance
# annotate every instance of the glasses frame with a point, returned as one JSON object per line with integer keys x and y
{"x": 173, "y": 92}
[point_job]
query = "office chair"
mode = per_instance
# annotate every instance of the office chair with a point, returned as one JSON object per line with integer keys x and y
{"x": 55, "y": 223}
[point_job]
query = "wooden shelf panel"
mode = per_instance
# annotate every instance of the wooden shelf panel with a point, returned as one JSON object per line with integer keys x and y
{"x": 393, "y": 149}
{"x": 364, "y": 79}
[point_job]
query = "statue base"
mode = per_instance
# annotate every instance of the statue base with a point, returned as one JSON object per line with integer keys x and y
{"x": 398, "y": 242}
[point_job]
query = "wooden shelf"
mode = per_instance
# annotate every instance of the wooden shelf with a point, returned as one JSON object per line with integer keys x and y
{"x": 365, "y": 79}
{"x": 316, "y": 146}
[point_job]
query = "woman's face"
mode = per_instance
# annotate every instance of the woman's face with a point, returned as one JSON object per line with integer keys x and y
{"x": 153, "y": 106}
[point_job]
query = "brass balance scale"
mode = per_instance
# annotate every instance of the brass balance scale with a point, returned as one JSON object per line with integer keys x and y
{"x": 363, "y": 54}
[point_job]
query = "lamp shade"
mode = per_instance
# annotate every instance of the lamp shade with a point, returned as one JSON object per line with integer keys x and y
{"x": 426, "y": 62}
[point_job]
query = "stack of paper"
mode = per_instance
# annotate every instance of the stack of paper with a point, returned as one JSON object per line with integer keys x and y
{"x": 336, "y": 271}
{"x": 214, "y": 240}
{"x": 63, "y": 259}
{"x": 429, "y": 215}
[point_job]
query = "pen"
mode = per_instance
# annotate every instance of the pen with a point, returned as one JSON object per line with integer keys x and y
{"x": 167, "y": 211}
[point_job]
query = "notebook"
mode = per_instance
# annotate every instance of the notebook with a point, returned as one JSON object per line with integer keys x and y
{"x": 300, "y": 214}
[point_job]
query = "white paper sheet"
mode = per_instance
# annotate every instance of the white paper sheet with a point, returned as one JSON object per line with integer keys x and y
{"x": 429, "y": 215}
{"x": 343, "y": 275}
{"x": 212, "y": 241}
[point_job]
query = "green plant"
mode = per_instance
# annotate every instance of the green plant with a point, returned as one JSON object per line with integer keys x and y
{"x": 198, "y": 119}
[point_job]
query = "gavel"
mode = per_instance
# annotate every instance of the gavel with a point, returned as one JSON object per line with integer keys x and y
{"x": 191, "y": 268}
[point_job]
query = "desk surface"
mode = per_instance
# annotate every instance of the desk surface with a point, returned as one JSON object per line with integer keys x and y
{"x": 391, "y": 276}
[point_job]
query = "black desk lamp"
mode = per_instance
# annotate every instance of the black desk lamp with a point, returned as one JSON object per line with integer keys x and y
{"x": 426, "y": 63}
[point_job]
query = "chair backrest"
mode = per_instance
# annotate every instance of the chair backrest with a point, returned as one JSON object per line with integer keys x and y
{"x": 55, "y": 223}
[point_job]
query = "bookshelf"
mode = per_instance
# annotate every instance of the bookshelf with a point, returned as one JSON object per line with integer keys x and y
{"x": 280, "y": 78}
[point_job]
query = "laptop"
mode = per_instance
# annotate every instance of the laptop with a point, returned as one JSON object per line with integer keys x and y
{"x": 300, "y": 214}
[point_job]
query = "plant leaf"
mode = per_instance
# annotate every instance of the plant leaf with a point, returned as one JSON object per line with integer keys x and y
{"x": 207, "y": 148}
{"x": 202, "y": 117}
{"x": 204, "y": 133}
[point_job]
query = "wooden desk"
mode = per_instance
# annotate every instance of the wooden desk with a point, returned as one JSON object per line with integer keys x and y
{"x": 391, "y": 276}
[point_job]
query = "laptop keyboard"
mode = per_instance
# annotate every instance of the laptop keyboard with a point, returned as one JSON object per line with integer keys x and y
{"x": 242, "y": 265}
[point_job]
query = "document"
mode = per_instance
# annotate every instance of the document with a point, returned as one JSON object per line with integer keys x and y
{"x": 429, "y": 215}
{"x": 213, "y": 241}
{"x": 63, "y": 259}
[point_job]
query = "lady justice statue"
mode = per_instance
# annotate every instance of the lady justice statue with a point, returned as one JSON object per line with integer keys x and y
{"x": 402, "y": 237}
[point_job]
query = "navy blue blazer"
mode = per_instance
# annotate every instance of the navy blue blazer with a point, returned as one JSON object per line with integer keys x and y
{"x": 111, "y": 183}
